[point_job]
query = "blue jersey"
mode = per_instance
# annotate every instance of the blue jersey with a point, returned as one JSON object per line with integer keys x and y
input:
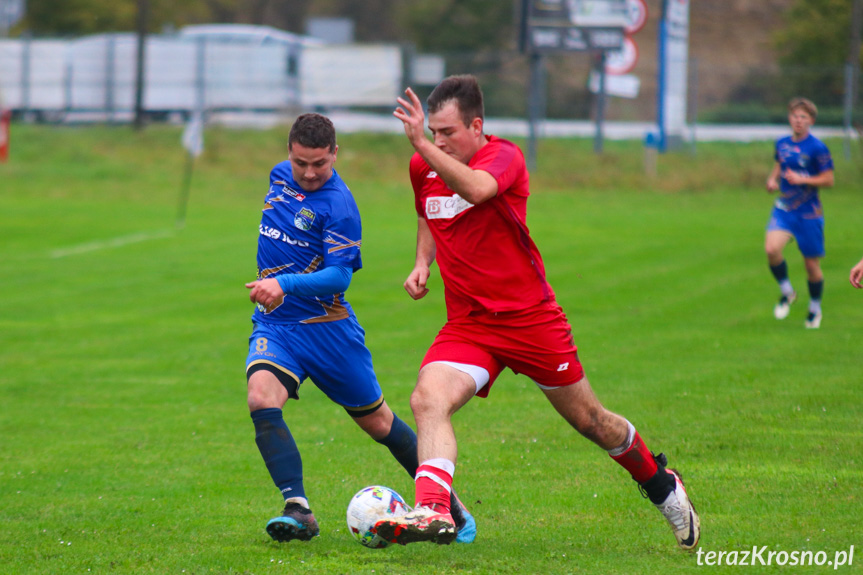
{"x": 809, "y": 157}
{"x": 302, "y": 232}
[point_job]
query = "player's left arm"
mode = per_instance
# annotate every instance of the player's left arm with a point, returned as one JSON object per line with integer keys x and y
{"x": 417, "y": 281}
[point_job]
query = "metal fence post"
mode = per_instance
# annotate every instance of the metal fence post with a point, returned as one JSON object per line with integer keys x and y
{"x": 535, "y": 104}
{"x": 848, "y": 105}
{"x": 141, "y": 55}
{"x": 200, "y": 75}
{"x": 693, "y": 101}
{"x": 26, "y": 57}
{"x": 851, "y": 72}
{"x": 109, "y": 78}
{"x": 600, "y": 102}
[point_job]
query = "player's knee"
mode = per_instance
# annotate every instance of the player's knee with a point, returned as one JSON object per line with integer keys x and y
{"x": 256, "y": 400}
{"x": 263, "y": 393}
{"x": 813, "y": 269}
{"x": 376, "y": 423}
{"x": 254, "y": 405}
{"x": 377, "y": 427}
{"x": 425, "y": 402}
{"x": 420, "y": 401}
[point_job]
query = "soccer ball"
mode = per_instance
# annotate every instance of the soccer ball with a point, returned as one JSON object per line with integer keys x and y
{"x": 369, "y": 506}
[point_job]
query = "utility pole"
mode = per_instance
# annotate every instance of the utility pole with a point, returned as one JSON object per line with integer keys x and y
{"x": 535, "y": 105}
{"x": 856, "y": 25}
{"x": 852, "y": 66}
{"x": 143, "y": 8}
{"x": 599, "y": 65}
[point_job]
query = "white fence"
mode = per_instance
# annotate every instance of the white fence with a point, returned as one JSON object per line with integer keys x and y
{"x": 97, "y": 74}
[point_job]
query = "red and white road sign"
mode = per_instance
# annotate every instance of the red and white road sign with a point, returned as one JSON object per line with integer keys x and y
{"x": 636, "y": 16}
{"x": 622, "y": 61}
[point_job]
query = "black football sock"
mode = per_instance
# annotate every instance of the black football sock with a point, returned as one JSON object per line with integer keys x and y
{"x": 280, "y": 452}
{"x": 402, "y": 443}
{"x": 780, "y": 272}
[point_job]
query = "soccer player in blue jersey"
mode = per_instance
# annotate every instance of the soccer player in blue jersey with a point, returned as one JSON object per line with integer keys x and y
{"x": 803, "y": 165}
{"x": 308, "y": 249}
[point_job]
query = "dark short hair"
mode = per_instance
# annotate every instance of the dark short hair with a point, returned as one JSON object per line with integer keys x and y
{"x": 313, "y": 131}
{"x": 464, "y": 90}
{"x": 807, "y": 105}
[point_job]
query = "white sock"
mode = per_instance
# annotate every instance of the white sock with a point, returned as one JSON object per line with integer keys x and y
{"x": 627, "y": 443}
{"x": 301, "y": 500}
{"x": 441, "y": 463}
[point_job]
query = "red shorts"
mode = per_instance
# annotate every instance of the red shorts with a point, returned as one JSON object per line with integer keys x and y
{"x": 536, "y": 342}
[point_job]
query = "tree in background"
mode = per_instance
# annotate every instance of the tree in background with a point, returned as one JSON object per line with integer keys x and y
{"x": 430, "y": 24}
{"x": 813, "y": 49}
{"x": 477, "y": 36}
{"x": 460, "y": 25}
{"x": 72, "y": 17}
{"x": 473, "y": 36}
{"x": 81, "y": 17}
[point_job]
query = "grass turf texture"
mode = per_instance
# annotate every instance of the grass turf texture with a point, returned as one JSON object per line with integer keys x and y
{"x": 127, "y": 446}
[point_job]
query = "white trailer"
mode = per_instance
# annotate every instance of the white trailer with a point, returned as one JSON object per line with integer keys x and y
{"x": 211, "y": 68}
{"x": 181, "y": 75}
{"x": 33, "y": 75}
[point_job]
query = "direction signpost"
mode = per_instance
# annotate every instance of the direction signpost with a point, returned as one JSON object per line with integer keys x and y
{"x": 620, "y": 63}
{"x": 555, "y": 26}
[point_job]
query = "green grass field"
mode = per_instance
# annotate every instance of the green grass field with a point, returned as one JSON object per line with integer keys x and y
{"x": 127, "y": 445}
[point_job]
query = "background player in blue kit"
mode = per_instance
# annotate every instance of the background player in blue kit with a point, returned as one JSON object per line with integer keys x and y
{"x": 308, "y": 249}
{"x": 803, "y": 164}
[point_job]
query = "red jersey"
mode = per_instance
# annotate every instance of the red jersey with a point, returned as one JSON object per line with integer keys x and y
{"x": 487, "y": 259}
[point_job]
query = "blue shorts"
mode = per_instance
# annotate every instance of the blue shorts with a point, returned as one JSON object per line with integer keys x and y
{"x": 332, "y": 354}
{"x": 807, "y": 229}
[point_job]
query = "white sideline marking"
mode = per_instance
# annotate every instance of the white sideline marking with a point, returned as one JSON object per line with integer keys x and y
{"x": 112, "y": 243}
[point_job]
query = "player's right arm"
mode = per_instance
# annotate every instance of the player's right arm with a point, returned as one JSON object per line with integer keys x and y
{"x": 475, "y": 186}
{"x": 331, "y": 280}
{"x": 773, "y": 178}
{"x": 415, "y": 285}
{"x": 822, "y": 180}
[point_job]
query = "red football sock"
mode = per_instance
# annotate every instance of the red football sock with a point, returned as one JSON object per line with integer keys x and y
{"x": 638, "y": 460}
{"x": 433, "y": 487}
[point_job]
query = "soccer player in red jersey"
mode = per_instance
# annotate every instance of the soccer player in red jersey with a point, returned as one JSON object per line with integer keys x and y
{"x": 471, "y": 193}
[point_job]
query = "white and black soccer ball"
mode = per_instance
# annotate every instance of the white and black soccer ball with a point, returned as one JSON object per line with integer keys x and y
{"x": 369, "y": 506}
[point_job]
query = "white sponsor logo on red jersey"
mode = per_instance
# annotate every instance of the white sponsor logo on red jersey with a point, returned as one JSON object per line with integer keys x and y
{"x": 445, "y": 207}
